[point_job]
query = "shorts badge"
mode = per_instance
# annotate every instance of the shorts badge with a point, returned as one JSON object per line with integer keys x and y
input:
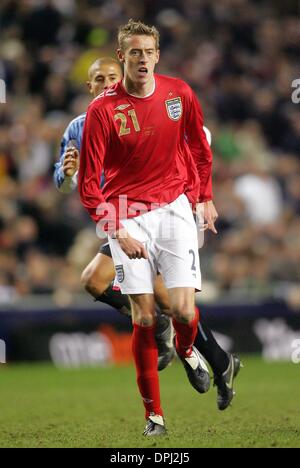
{"x": 120, "y": 273}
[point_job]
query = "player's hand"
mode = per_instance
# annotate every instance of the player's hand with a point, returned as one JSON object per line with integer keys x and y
{"x": 132, "y": 247}
{"x": 210, "y": 216}
{"x": 71, "y": 162}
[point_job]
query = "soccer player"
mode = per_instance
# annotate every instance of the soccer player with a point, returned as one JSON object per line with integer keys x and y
{"x": 99, "y": 274}
{"x": 147, "y": 134}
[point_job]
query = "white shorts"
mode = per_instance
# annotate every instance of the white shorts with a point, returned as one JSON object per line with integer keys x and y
{"x": 170, "y": 237}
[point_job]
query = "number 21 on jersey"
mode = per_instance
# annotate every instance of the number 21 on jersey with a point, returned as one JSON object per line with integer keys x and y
{"x": 124, "y": 130}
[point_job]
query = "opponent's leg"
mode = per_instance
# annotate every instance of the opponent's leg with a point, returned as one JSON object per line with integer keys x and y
{"x": 225, "y": 366}
{"x": 97, "y": 280}
{"x": 224, "y": 382}
{"x": 208, "y": 346}
{"x": 164, "y": 334}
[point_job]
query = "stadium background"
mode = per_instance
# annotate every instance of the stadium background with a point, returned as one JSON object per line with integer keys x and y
{"x": 241, "y": 58}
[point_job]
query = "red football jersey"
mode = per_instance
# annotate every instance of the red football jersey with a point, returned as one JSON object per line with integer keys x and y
{"x": 151, "y": 149}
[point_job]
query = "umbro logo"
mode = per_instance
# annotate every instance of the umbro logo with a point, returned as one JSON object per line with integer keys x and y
{"x": 122, "y": 107}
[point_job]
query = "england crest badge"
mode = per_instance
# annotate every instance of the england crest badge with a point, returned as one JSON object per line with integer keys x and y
{"x": 120, "y": 273}
{"x": 174, "y": 108}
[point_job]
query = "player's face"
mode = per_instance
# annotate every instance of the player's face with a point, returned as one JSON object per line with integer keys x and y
{"x": 104, "y": 77}
{"x": 139, "y": 57}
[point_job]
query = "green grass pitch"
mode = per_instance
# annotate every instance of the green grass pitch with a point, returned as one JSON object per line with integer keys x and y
{"x": 45, "y": 407}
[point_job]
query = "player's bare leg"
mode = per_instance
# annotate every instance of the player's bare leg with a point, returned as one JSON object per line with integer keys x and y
{"x": 97, "y": 280}
{"x": 145, "y": 354}
{"x": 162, "y": 296}
{"x": 99, "y": 273}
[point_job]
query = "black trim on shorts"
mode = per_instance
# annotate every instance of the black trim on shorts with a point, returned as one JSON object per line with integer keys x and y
{"x": 105, "y": 250}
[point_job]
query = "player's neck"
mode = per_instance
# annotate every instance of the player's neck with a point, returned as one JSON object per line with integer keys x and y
{"x": 137, "y": 89}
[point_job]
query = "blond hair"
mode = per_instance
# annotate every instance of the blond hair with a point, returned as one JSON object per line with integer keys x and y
{"x": 136, "y": 28}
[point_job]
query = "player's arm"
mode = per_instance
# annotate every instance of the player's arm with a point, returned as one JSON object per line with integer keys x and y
{"x": 94, "y": 146}
{"x": 202, "y": 155}
{"x": 66, "y": 170}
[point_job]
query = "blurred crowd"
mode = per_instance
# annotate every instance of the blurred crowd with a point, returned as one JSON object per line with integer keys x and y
{"x": 240, "y": 56}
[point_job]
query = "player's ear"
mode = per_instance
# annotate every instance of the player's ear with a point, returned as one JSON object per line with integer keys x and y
{"x": 89, "y": 85}
{"x": 157, "y": 56}
{"x": 121, "y": 55}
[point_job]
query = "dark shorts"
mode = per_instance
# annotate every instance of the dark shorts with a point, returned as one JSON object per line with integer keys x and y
{"x": 105, "y": 250}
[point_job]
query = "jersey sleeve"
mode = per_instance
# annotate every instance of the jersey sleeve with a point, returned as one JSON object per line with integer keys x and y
{"x": 63, "y": 183}
{"x": 95, "y": 142}
{"x": 199, "y": 146}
